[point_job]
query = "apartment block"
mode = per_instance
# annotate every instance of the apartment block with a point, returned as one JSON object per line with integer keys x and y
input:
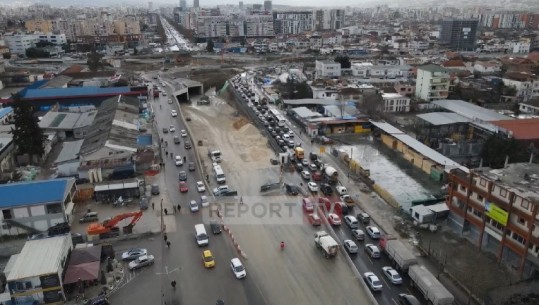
{"x": 293, "y": 22}
{"x": 525, "y": 84}
{"x": 327, "y": 68}
{"x": 432, "y": 83}
{"x": 18, "y": 44}
{"x": 34, "y": 25}
{"x": 459, "y": 34}
{"x": 394, "y": 102}
{"x": 497, "y": 210}
{"x": 259, "y": 26}
{"x": 328, "y": 19}
{"x": 212, "y": 26}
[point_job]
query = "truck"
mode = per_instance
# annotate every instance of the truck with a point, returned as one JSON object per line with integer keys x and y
{"x": 326, "y": 244}
{"x": 433, "y": 291}
{"x": 331, "y": 174}
{"x": 214, "y": 155}
{"x": 397, "y": 252}
{"x": 299, "y": 153}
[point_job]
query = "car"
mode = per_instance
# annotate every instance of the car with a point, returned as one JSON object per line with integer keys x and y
{"x": 314, "y": 220}
{"x": 193, "y": 206}
{"x": 307, "y": 205}
{"x": 207, "y": 259}
{"x": 313, "y": 187}
{"x": 174, "y": 113}
{"x": 291, "y": 134}
{"x": 220, "y": 189}
{"x": 141, "y": 261}
{"x": 334, "y": 219}
{"x": 346, "y": 198}
{"x": 169, "y": 101}
{"x": 165, "y": 130}
{"x": 183, "y": 133}
{"x": 200, "y": 187}
{"x": 178, "y": 160}
{"x": 182, "y": 176}
{"x": 134, "y": 253}
{"x": 326, "y": 189}
{"x": 215, "y": 227}
{"x": 317, "y": 176}
{"x": 372, "y": 281}
{"x": 237, "y": 268}
{"x": 312, "y": 167}
{"x": 176, "y": 140}
{"x": 373, "y": 232}
{"x": 350, "y": 246}
{"x": 408, "y": 299}
{"x": 351, "y": 222}
{"x": 358, "y": 234}
{"x": 164, "y": 93}
{"x": 99, "y": 300}
{"x": 291, "y": 190}
{"x": 285, "y": 136}
{"x": 89, "y": 217}
{"x": 187, "y": 145}
{"x": 305, "y": 162}
{"x": 392, "y": 275}
{"x": 306, "y": 175}
{"x": 183, "y": 187}
{"x": 191, "y": 166}
{"x": 341, "y": 190}
{"x": 204, "y": 201}
{"x": 372, "y": 250}
{"x": 172, "y": 128}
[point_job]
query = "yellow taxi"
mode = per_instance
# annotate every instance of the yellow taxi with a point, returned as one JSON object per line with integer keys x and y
{"x": 208, "y": 260}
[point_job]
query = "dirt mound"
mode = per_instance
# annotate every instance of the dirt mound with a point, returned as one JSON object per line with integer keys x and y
{"x": 238, "y": 124}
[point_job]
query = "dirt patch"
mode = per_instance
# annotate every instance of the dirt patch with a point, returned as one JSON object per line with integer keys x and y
{"x": 240, "y": 123}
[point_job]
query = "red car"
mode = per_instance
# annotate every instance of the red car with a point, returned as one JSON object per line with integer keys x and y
{"x": 334, "y": 219}
{"x": 183, "y": 187}
{"x": 317, "y": 176}
{"x": 307, "y": 205}
{"x": 314, "y": 220}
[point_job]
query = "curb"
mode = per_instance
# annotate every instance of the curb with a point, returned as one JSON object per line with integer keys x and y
{"x": 229, "y": 231}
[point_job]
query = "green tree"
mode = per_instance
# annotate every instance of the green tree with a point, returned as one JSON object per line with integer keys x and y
{"x": 27, "y": 136}
{"x": 344, "y": 61}
{"x": 36, "y": 53}
{"x": 209, "y": 46}
{"x": 497, "y": 148}
{"x": 42, "y": 44}
{"x": 94, "y": 61}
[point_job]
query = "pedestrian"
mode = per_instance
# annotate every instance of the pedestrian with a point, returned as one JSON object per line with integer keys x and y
{"x": 241, "y": 200}
{"x": 179, "y": 208}
{"x": 153, "y": 206}
{"x": 174, "y": 207}
{"x": 165, "y": 237}
{"x": 168, "y": 244}
{"x": 166, "y": 212}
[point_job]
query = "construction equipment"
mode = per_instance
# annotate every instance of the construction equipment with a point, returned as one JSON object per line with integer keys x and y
{"x": 108, "y": 227}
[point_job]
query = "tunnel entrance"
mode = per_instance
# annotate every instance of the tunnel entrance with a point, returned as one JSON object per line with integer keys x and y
{"x": 195, "y": 90}
{"x": 182, "y": 98}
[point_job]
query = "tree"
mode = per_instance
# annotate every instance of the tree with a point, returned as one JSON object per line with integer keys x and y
{"x": 344, "y": 61}
{"x": 496, "y": 149}
{"x": 27, "y": 136}
{"x": 94, "y": 61}
{"x": 209, "y": 46}
{"x": 36, "y": 53}
{"x": 243, "y": 41}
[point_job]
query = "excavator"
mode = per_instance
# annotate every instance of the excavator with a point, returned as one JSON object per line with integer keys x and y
{"x": 108, "y": 227}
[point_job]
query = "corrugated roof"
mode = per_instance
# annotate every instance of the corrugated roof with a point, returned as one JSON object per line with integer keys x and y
{"x": 527, "y": 129}
{"x": 470, "y": 111}
{"x": 312, "y": 101}
{"x": 442, "y": 118}
{"x": 34, "y": 192}
{"x": 304, "y": 112}
{"x": 39, "y": 257}
{"x": 73, "y": 91}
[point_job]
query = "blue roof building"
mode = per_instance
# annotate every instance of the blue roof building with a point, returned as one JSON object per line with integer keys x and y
{"x": 34, "y": 206}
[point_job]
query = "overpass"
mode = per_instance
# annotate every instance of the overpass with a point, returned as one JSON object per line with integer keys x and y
{"x": 183, "y": 88}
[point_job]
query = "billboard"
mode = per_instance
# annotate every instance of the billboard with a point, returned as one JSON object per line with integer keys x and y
{"x": 496, "y": 213}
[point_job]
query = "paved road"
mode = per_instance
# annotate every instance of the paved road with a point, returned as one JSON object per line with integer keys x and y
{"x": 183, "y": 261}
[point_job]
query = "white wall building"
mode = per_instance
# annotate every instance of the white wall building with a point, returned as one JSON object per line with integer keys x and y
{"x": 526, "y": 85}
{"x": 521, "y": 47}
{"x": 327, "y": 68}
{"x": 487, "y": 66}
{"x": 432, "y": 83}
{"x": 18, "y": 44}
{"x": 394, "y": 102}
{"x": 56, "y": 39}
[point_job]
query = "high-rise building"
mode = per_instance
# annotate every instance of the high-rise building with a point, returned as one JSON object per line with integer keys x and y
{"x": 328, "y": 19}
{"x": 241, "y": 5}
{"x": 183, "y": 5}
{"x": 267, "y": 5}
{"x": 459, "y": 34}
{"x": 150, "y": 5}
{"x": 196, "y": 4}
{"x": 293, "y": 22}
{"x": 257, "y": 7}
{"x": 432, "y": 83}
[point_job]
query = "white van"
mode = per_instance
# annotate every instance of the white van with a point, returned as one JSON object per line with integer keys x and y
{"x": 219, "y": 174}
{"x": 200, "y": 235}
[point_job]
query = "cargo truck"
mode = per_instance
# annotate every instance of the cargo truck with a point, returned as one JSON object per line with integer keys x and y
{"x": 331, "y": 174}
{"x": 433, "y": 291}
{"x": 326, "y": 244}
{"x": 397, "y": 252}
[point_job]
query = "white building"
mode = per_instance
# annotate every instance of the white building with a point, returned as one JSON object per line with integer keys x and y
{"x": 361, "y": 69}
{"x": 394, "y": 102}
{"x": 526, "y": 85}
{"x": 432, "y": 83}
{"x": 56, "y": 39}
{"x": 327, "y": 68}
{"x": 521, "y": 47}
{"x": 487, "y": 66}
{"x": 18, "y": 44}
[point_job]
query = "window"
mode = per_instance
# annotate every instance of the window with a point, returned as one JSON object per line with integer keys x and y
{"x": 483, "y": 182}
{"x": 480, "y": 198}
{"x": 525, "y": 204}
{"x": 521, "y": 221}
{"x": 462, "y": 188}
{"x": 54, "y": 208}
{"x": 7, "y": 214}
{"x": 503, "y": 192}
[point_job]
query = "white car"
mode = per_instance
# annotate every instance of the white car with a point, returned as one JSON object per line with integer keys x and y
{"x": 204, "y": 201}
{"x": 372, "y": 281}
{"x": 174, "y": 113}
{"x": 183, "y": 133}
{"x": 179, "y": 160}
{"x": 237, "y": 268}
{"x": 341, "y": 190}
{"x": 193, "y": 206}
{"x": 134, "y": 253}
{"x": 373, "y": 232}
{"x": 392, "y": 275}
{"x": 313, "y": 187}
{"x": 170, "y": 102}
{"x": 200, "y": 187}
{"x": 141, "y": 261}
{"x": 172, "y": 128}
{"x": 350, "y": 246}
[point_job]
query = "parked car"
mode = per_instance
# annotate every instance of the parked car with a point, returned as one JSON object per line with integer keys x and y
{"x": 341, "y": 190}
{"x": 372, "y": 281}
{"x": 306, "y": 175}
{"x": 237, "y": 268}
{"x": 134, "y": 253}
{"x": 307, "y": 204}
{"x": 291, "y": 190}
{"x": 141, "y": 261}
{"x": 155, "y": 189}
{"x": 392, "y": 275}
{"x": 350, "y": 246}
{"x": 89, "y": 217}
{"x": 334, "y": 219}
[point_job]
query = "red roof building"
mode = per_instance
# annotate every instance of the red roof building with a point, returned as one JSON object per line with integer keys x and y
{"x": 526, "y": 131}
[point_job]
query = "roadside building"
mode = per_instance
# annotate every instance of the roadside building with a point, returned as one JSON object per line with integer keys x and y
{"x": 36, "y": 275}
{"x": 432, "y": 83}
{"x": 327, "y": 68}
{"x": 394, "y": 102}
{"x": 35, "y": 206}
{"x": 526, "y": 85}
{"x": 497, "y": 210}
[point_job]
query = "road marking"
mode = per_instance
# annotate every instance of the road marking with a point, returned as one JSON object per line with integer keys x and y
{"x": 167, "y": 272}
{"x": 395, "y": 302}
{"x": 387, "y": 284}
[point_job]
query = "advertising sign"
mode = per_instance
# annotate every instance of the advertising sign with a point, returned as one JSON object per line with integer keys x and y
{"x": 496, "y": 213}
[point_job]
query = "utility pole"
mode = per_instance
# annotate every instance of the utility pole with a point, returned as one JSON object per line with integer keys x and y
{"x": 163, "y": 226}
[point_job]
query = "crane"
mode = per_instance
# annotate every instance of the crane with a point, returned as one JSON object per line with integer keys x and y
{"x": 109, "y": 225}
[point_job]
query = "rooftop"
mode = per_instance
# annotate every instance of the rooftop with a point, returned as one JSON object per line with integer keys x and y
{"x": 34, "y": 192}
{"x": 433, "y": 69}
{"x": 527, "y": 129}
{"x": 67, "y": 120}
{"x": 310, "y": 101}
{"x": 73, "y": 92}
{"x": 442, "y": 118}
{"x": 392, "y": 95}
{"x": 522, "y": 178}
{"x": 58, "y": 82}
{"x": 5, "y": 111}
{"x": 328, "y": 62}
{"x": 470, "y": 111}
{"x": 39, "y": 257}
{"x": 304, "y": 112}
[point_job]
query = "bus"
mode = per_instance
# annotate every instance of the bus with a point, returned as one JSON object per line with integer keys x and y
{"x": 280, "y": 120}
{"x": 219, "y": 174}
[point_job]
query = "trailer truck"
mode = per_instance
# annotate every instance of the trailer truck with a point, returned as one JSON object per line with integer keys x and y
{"x": 433, "y": 291}
{"x": 326, "y": 244}
{"x": 397, "y": 252}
